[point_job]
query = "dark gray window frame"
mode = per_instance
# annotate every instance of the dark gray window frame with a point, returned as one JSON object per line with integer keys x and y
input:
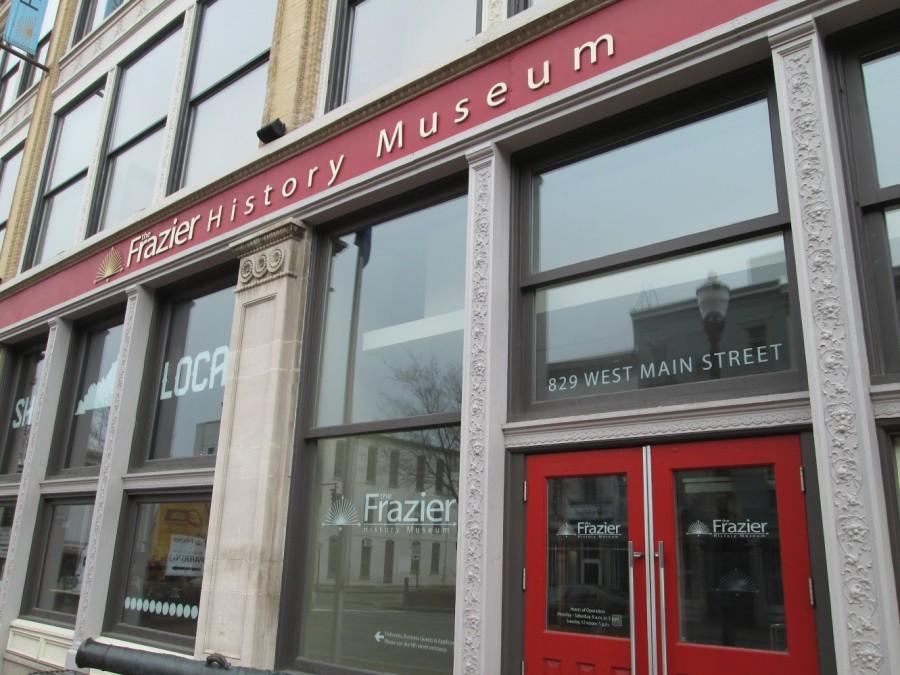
{"x": 44, "y": 193}
{"x": 188, "y": 104}
{"x": 100, "y": 192}
{"x": 125, "y": 541}
{"x": 62, "y": 428}
{"x": 336, "y": 93}
{"x": 888, "y": 430}
{"x": 4, "y": 162}
{"x": 145, "y": 426}
{"x": 12, "y": 372}
{"x": 874, "y": 272}
{"x": 38, "y": 554}
{"x": 299, "y": 536}
{"x": 86, "y": 12}
{"x": 751, "y": 84}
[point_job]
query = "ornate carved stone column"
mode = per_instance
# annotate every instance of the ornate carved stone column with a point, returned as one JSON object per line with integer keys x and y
{"x": 245, "y": 544}
{"x": 116, "y": 454}
{"x": 863, "y": 598}
{"x": 479, "y": 576}
{"x": 33, "y": 472}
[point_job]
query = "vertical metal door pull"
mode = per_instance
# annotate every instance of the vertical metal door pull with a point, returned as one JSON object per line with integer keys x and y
{"x": 632, "y": 556}
{"x": 661, "y": 563}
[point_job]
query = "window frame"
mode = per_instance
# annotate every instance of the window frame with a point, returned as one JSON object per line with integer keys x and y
{"x": 339, "y": 61}
{"x": 86, "y": 11}
{"x": 99, "y": 191}
{"x": 124, "y": 546}
{"x": 36, "y": 232}
{"x": 64, "y": 423}
{"x": 188, "y": 104}
{"x": 875, "y": 277}
{"x": 300, "y": 537}
{"x": 161, "y": 328}
{"x": 18, "y": 149}
{"x": 887, "y": 431}
{"x": 39, "y": 546}
{"x": 7, "y": 503}
{"x": 672, "y": 112}
{"x": 13, "y": 368}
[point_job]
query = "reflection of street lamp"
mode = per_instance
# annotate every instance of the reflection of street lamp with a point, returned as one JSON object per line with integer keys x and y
{"x": 712, "y": 300}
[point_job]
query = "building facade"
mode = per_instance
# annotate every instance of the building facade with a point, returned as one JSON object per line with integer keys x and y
{"x": 550, "y": 336}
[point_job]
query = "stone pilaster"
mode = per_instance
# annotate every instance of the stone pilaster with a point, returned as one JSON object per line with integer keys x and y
{"x": 113, "y": 466}
{"x": 862, "y": 594}
{"x": 493, "y": 13}
{"x": 245, "y": 545}
{"x": 296, "y": 62}
{"x": 479, "y": 580}
{"x": 33, "y": 472}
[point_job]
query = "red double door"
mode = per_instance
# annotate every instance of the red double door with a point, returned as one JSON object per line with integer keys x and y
{"x": 687, "y": 559}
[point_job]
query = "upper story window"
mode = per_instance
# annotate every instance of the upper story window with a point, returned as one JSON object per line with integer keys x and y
{"x": 185, "y": 393}
{"x": 228, "y": 86}
{"x": 7, "y": 513}
{"x": 134, "y": 147}
{"x": 9, "y": 174}
{"x": 91, "y": 14}
{"x": 18, "y": 76}
{"x": 656, "y": 255}
{"x": 220, "y": 96}
{"x": 380, "y": 40}
{"x": 870, "y": 70}
{"x": 21, "y": 378}
{"x": 66, "y": 178}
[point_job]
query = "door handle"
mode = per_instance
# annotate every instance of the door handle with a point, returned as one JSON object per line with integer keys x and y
{"x": 661, "y": 564}
{"x": 632, "y": 556}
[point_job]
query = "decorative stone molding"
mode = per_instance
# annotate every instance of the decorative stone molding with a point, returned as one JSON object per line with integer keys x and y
{"x": 862, "y": 595}
{"x": 482, "y": 461}
{"x": 18, "y": 115}
{"x": 784, "y": 411}
{"x": 265, "y": 255}
{"x": 89, "y": 576}
{"x": 494, "y": 12}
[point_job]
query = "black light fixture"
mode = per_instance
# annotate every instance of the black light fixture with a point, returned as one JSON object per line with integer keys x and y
{"x": 712, "y": 301}
{"x": 272, "y": 131}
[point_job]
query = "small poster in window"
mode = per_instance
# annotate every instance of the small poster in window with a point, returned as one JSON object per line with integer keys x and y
{"x": 186, "y": 556}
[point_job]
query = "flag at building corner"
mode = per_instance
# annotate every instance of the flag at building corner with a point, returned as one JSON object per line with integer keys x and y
{"x": 23, "y": 27}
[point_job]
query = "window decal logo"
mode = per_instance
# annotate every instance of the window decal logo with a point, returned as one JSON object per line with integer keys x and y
{"x": 698, "y": 529}
{"x": 341, "y": 513}
{"x": 566, "y": 530}
{"x": 730, "y": 529}
{"x": 737, "y": 581}
{"x": 110, "y": 266}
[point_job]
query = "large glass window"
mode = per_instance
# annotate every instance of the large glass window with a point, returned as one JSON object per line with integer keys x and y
{"x": 74, "y": 142}
{"x": 380, "y": 501}
{"x": 89, "y": 395}
{"x": 871, "y": 73}
{"x": 58, "y": 566}
{"x": 394, "y": 346}
{"x": 25, "y": 376}
{"x": 136, "y": 139}
{"x": 420, "y": 32}
{"x": 228, "y": 86}
{"x": 360, "y": 524}
{"x": 657, "y": 256}
{"x": 188, "y": 393}
{"x": 163, "y": 569}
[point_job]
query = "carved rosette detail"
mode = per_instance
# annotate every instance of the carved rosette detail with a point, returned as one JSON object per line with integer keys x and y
{"x": 27, "y": 470}
{"x": 90, "y": 565}
{"x": 262, "y": 266}
{"x": 476, "y": 429}
{"x": 830, "y": 320}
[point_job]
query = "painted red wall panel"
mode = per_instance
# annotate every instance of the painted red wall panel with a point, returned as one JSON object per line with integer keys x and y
{"x": 638, "y": 28}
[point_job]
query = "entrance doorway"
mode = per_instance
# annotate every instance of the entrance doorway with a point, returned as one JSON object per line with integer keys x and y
{"x": 683, "y": 559}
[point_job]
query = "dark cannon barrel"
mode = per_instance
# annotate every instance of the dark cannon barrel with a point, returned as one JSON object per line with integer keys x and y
{"x": 125, "y": 661}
